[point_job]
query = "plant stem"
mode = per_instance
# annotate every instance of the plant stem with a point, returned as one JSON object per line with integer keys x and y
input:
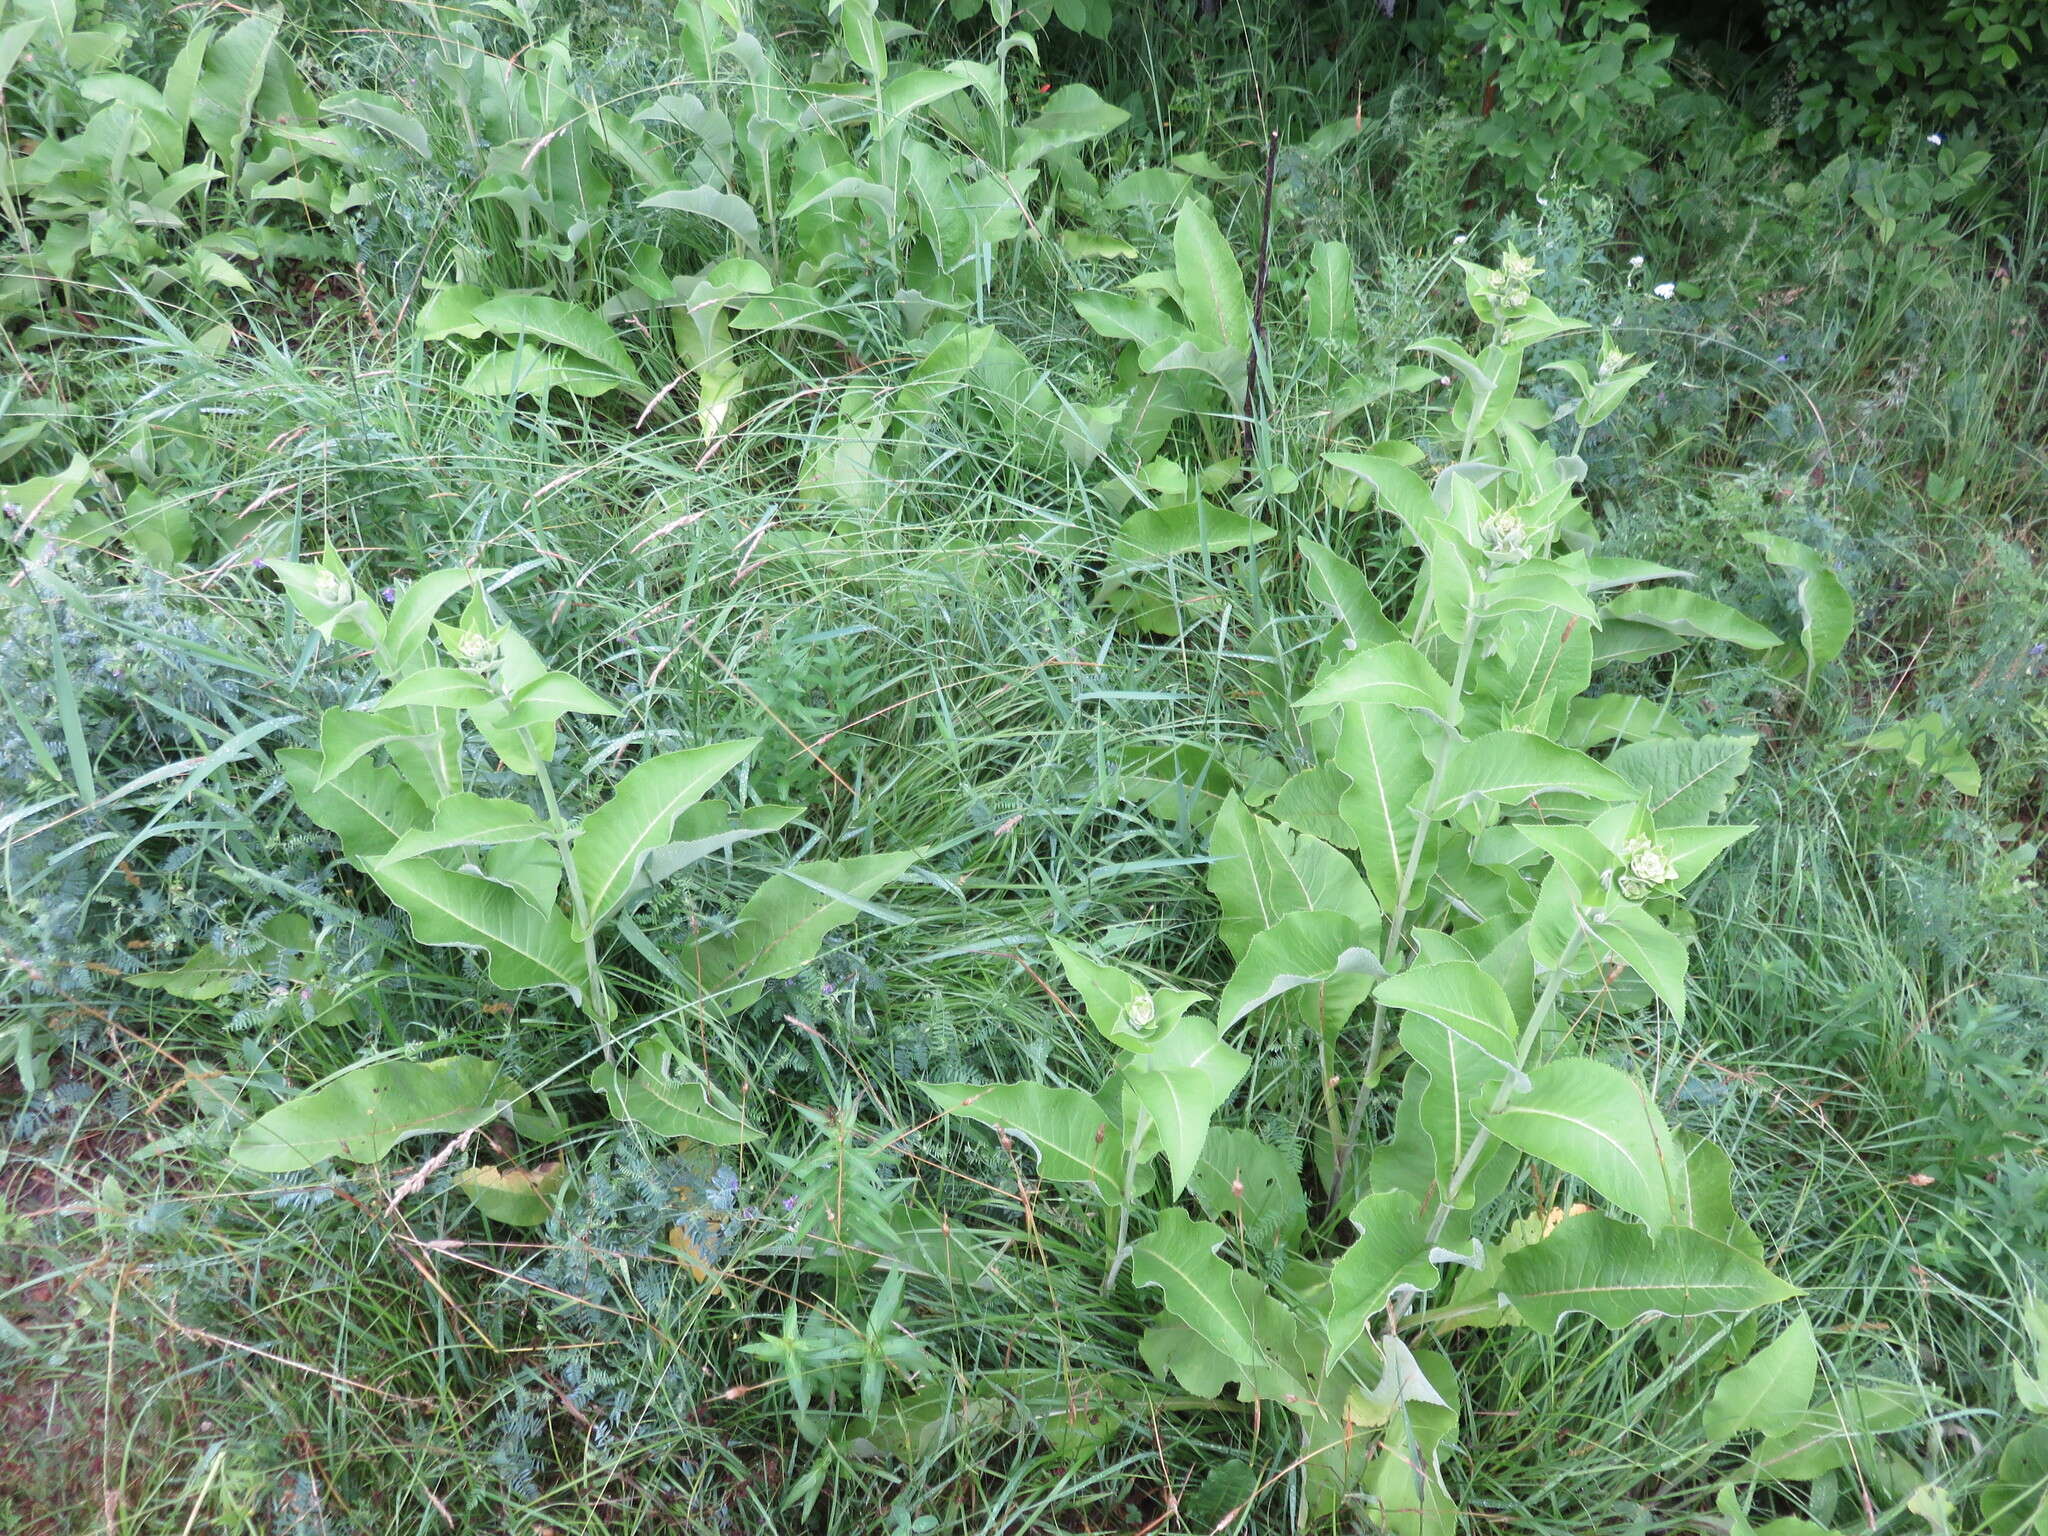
{"x": 1122, "y": 1244}
{"x": 1481, "y": 1138}
{"x": 599, "y": 1004}
{"x": 1397, "y": 920}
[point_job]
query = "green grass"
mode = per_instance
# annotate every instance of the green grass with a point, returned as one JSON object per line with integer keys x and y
{"x": 183, "y": 1349}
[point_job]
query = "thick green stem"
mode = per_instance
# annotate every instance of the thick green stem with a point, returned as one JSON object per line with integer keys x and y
{"x": 1397, "y": 920}
{"x": 599, "y": 1002}
{"x": 1481, "y": 1138}
{"x": 1122, "y": 1242}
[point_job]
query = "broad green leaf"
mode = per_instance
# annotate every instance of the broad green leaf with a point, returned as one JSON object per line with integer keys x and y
{"x": 1928, "y": 741}
{"x": 1391, "y": 1255}
{"x": 465, "y": 820}
{"x": 1593, "y": 722}
{"x": 527, "y": 948}
{"x": 1827, "y": 613}
{"x": 1687, "y": 781}
{"x": 785, "y": 921}
{"x": 1211, "y": 284}
{"x": 1379, "y": 750}
{"x": 1768, "y": 1392}
{"x": 1652, "y": 951}
{"x": 412, "y": 616}
{"x": 1073, "y": 114}
{"x": 1154, "y": 535}
{"x": 384, "y": 113}
{"x": 368, "y": 1110}
{"x": 916, "y": 88}
{"x": 1119, "y": 1005}
{"x": 1125, "y": 317}
{"x": 1320, "y": 960}
{"x": 1181, "y": 1085}
{"x": 349, "y": 735}
{"x": 1332, "y": 308}
{"x": 1401, "y": 491}
{"x": 529, "y": 370}
{"x": 549, "y": 697}
{"x": 706, "y": 828}
{"x": 735, "y": 213}
{"x": 1341, "y": 585}
{"x": 641, "y": 816}
{"x": 1509, "y": 767}
{"x": 1619, "y": 1274}
{"x": 1253, "y": 1184}
{"x": 368, "y": 809}
{"x": 1393, "y": 673}
{"x": 1840, "y": 1432}
{"x": 2015, "y": 1501}
{"x": 1072, "y": 1137}
{"x": 437, "y": 688}
{"x": 1311, "y": 802}
{"x": 1689, "y": 614}
{"x": 517, "y": 1197}
{"x": 571, "y": 327}
{"x": 1179, "y": 1256}
{"x": 667, "y": 1096}
{"x": 1260, "y": 872}
{"x": 1603, "y": 1128}
{"x": 451, "y": 311}
{"x": 1458, "y": 1025}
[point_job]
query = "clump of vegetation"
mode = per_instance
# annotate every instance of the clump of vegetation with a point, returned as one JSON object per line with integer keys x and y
{"x": 1085, "y": 770}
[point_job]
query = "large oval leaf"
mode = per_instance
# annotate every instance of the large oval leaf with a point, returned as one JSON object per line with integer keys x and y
{"x": 368, "y": 1110}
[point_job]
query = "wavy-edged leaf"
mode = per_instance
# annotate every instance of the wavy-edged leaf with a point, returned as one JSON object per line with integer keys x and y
{"x": 1211, "y": 283}
{"x": 1260, "y": 872}
{"x": 527, "y": 947}
{"x": 367, "y": 809}
{"x": 1391, "y": 1255}
{"x": 666, "y": 1096}
{"x": 1179, "y": 1257}
{"x": 787, "y": 918}
{"x": 735, "y": 213}
{"x": 369, "y": 1109}
{"x": 1616, "y": 1272}
{"x": 1684, "y": 781}
{"x": 1181, "y": 1084}
{"x": 1769, "y": 1392}
{"x": 557, "y": 323}
{"x": 1319, "y": 960}
{"x": 1393, "y": 673}
{"x": 465, "y": 820}
{"x": 1509, "y": 767}
{"x": 1072, "y": 1137}
{"x": 1401, "y": 491}
{"x": 1687, "y": 613}
{"x": 1378, "y": 748}
{"x": 641, "y": 816}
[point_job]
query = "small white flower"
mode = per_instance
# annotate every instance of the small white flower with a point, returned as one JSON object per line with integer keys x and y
{"x": 1934, "y": 138}
{"x": 1666, "y": 290}
{"x": 1458, "y": 239}
{"x": 474, "y": 647}
{"x": 330, "y": 589}
{"x": 1507, "y": 538}
{"x": 1635, "y": 261}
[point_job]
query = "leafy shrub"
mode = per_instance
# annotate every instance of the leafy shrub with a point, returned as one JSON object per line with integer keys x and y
{"x": 1555, "y": 84}
{"x": 1869, "y": 70}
